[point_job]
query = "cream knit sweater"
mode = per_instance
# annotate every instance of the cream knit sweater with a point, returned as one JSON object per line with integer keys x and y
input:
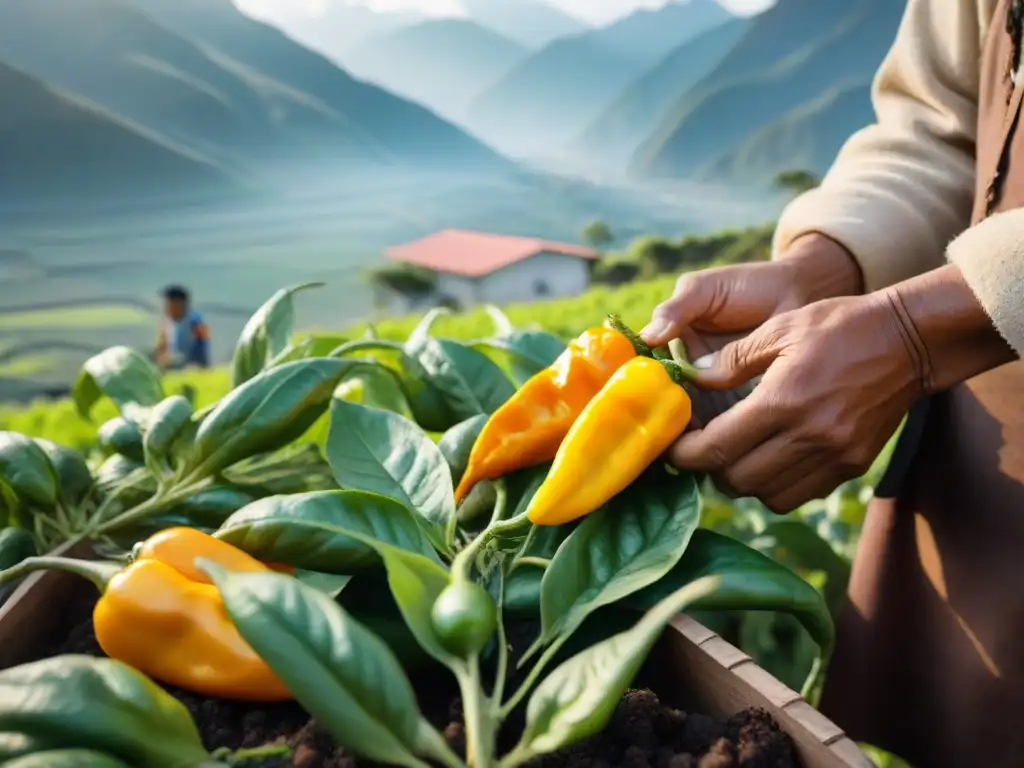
{"x": 902, "y": 189}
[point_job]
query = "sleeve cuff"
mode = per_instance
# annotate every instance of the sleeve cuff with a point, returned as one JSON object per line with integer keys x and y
{"x": 865, "y": 223}
{"x": 990, "y": 255}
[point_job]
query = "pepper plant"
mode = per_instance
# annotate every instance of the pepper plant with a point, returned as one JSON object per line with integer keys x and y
{"x": 403, "y": 418}
{"x": 456, "y": 585}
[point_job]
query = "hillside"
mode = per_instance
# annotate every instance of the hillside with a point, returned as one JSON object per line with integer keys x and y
{"x": 649, "y": 35}
{"x": 113, "y": 55}
{"x": 550, "y": 97}
{"x": 441, "y": 63}
{"x": 50, "y": 141}
{"x": 405, "y": 132}
{"x": 807, "y": 138}
{"x": 531, "y": 23}
{"x": 635, "y": 114}
{"x": 741, "y": 96}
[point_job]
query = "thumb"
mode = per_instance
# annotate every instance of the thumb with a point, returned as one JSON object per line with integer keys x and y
{"x": 740, "y": 361}
{"x": 692, "y": 298}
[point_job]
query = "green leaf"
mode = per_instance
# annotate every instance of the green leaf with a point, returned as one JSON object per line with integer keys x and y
{"x": 66, "y": 758}
{"x": 266, "y": 335}
{"x": 340, "y": 672}
{"x": 467, "y": 380}
{"x": 73, "y": 475}
{"x": 123, "y": 436}
{"x": 165, "y": 424}
{"x": 522, "y": 354}
{"x": 381, "y": 452}
{"x": 426, "y": 401}
{"x": 264, "y": 414}
{"x": 16, "y": 544}
{"x": 523, "y": 583}
{"x": 747, "y": 581}
{"x": 415, "y": 582}
{"x": 99, "y": 704}
{"x": 796, "y": 545}
{"x": 27, "y": 471}
{"x": 618, "y": 550}
{"x": 578, "y": 698}
{"x": 457, "y": 443}
{"x": 211, "y": 507}
{"x": 314, "y": 530}
{"x": 375, "y": 388}
{"x": 120, "y": 373}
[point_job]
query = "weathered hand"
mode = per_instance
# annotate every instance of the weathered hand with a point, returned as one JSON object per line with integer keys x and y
{"x": 714, "y": 307}
{"x": 838, "y": 377}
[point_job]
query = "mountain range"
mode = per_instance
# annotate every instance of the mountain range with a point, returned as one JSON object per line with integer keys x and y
{"x": 792, "y": 54}
{"x": 551, "y": 96}
{"x": 222, "y": 89}
{"x": 215, "y": 98}
{"x": 443, "y": 63}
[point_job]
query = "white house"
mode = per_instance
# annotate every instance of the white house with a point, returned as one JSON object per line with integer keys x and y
{"x": 480, "y": 268}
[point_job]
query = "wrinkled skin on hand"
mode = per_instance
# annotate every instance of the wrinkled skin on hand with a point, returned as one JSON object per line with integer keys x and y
{"x": 714, "y": 307}
{"x": 839, "y": 375}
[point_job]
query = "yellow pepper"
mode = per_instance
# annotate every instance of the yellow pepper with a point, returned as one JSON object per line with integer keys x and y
{"x": 632, "y": 421}
{"x": 163, "y": 616}
{"x": 529, "y": 427}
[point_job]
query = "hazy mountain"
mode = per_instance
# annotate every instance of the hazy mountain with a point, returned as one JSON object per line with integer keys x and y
{"x": 442, "y": 63}
{"x": 340, "y": 26}
{"x": 533, "y": 23}
{"x": 649, "y": 35}
{"x": 55, "y": 146}
{"x": 550, "y": 97}
{"x": 807, "y": 138}
{"x": 112, "y": 54}
{"x": 793, "y": 53}
{"x": 617, "y": 132}
{"x": 400, "y": 130}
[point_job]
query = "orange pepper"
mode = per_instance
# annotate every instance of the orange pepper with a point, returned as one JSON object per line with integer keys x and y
{"x": 529, "y": 427}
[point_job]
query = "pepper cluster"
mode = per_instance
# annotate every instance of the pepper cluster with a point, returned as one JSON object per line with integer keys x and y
{"x": 602, "y": 413}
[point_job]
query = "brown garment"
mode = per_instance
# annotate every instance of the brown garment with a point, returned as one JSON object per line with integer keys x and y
{"x": 930, "y": 658}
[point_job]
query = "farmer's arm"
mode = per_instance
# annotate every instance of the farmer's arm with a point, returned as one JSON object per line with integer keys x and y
{"x": 902, "y": 187}
{"x": 200, "y": 344}
{"x": 160, "y": 353}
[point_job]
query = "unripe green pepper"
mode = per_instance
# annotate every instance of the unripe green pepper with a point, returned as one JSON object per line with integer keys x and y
{"x": 166, "y": 422}
{"x": 121, "y": 436}
{"x": 464, "y": 618}
{"x": 15, "y": 545}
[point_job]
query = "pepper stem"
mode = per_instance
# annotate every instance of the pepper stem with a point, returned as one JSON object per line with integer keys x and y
{"x": 642, "y": 348}
{"x": 96, "y": 571}
{"x": 681, "y": 373}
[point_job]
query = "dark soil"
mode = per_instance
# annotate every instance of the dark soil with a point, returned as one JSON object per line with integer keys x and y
{"x": 642, "y": 733}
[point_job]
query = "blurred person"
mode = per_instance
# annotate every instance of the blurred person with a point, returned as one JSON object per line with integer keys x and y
{"x": 897, "y": 285}
{"x": 183, "y": 340}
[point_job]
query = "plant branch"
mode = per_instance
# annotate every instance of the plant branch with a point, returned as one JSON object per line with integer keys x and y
{"x": 498, "y": 693}
{"x": 479, "y": 724}
{"x": 98, "y": 572}
{"x": 531, "y": 679}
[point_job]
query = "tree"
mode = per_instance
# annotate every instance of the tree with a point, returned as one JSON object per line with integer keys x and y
{"x": 796, "y": 182}
{"x": 597, "y": 234}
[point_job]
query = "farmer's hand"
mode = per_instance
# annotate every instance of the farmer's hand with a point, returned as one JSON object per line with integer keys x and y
{"x": 839, "y": 375}
{"x": 713, "y": 307}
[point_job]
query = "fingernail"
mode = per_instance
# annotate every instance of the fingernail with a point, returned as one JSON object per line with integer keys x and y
{"x": 657, "y": 328}
{"x": 704, "y": 363}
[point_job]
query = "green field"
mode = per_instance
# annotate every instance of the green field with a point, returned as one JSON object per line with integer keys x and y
{"x": 92, "y": 316}
{"x": 58, "y": 421}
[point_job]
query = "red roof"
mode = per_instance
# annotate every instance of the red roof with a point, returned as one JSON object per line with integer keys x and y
{"x": 475, "y": 254}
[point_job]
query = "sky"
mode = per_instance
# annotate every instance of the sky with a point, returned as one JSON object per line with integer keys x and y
{"x": 594, "y": 11}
